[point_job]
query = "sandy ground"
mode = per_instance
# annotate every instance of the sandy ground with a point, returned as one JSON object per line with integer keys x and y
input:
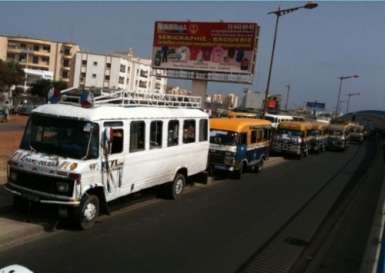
{"x": 10, "y": 136}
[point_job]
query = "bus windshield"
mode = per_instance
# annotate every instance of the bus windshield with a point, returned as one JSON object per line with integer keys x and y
{"x": 223, "y": 137}
{"x": 62, "y": 137}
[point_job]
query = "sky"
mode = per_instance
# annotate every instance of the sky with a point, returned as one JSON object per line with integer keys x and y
{"x": 314, "y": 47}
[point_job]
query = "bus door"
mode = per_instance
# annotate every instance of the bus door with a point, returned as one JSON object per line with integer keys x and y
{"x": 113, "y": 158}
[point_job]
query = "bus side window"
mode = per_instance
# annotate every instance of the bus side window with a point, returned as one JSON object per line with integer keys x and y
{"x": 267, "y": 134}
{"x": 253, "y": 137}
{"x": 116, "y": 141}
{"x": 156, "y": 134}
{"x": 203, "y": 127}
{"x": 189, "y": 131}
{"x": 173, "y": 133}
{"x": 243, "y": 139}
{"x": 137, "y": 136}
{"x": 259, "y": 135}
{"x": 116, "y": 146}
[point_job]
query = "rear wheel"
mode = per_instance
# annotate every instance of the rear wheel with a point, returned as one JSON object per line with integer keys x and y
{"x": 88, "y": 211}
{"x": 175, "y": 188}
{"x": 260, "y": 165}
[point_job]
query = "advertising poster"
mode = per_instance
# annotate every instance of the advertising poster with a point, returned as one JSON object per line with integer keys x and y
{"x": 204, "y": 46}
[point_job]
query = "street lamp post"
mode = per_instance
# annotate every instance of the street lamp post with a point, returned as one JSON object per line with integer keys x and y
{"x": 340, "y": 90}
{"x": 278, "y": 13}
{"x": 350, "y": 95}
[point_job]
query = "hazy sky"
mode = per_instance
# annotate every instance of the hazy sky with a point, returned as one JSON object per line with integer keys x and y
{"x": 314, "y": 46}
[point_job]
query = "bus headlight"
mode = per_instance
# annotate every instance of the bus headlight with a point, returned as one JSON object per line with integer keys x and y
{"x": 62, "y": 187}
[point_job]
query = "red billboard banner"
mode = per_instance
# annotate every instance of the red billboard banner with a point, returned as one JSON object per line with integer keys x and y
{"x": 205, "y": 46}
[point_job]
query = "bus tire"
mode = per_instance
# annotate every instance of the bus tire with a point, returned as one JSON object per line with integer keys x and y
{"x": 176, "y": 187}
{"x": 20, "y": 204}
{"x": 259, "y": 166}
{"x": 238, "y": 173}
{"x": 88, "y": 211}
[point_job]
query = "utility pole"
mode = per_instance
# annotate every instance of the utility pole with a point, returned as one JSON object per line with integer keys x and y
{"x": 350, "y": 95}
{"x": 278, "y": 13}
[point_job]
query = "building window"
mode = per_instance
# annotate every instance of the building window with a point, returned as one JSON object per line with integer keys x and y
{"x": 122, "y": 68}
{"x": 128, "y": 81}
{"x": 11, "y": 56}
{"x": 128, "y": 69}
{"x": 203, "y": 129}
{"x": 23, "y": 45}
{"x": 67, "y": 51}
{"x": 65, "y": 74}
{"x": 157, "y": 86}
{"x": 95, "y": 63}
{"x": 137, "y": 136}
{"x": 35, "y": 59}
{"x": 121, "y": 80}
{"x": 84, "y": 62}
{"x": 106, "y": 77}
{"x": 142, "y": 84}
{"x": 45, "y": 60}
{"x": 108, "y": 65}
{"x": 66, "y": 63}
{"x": 83, "y": 74}
{"x": 46, "y": 48}
{"x": 189, "y": 131}
{"x": 144, "y": 73}
{"x": 36, "y": 47}
{"x": 173, "y": 133}
{"x": 156, "y": 134}
{"x": 94, "y": 76}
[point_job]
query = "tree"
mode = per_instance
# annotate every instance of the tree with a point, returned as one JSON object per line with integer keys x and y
{"x": 41, "y": 87}
{"x": 10, "y": 74}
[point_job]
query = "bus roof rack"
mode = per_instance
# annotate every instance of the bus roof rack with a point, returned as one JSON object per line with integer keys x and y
{"x": 125, "y": 98}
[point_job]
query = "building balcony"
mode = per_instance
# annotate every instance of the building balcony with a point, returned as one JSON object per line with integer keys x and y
{"x": 28, "y": 51}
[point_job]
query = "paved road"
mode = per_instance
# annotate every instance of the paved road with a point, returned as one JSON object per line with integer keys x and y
{"x": 213, "y": 229}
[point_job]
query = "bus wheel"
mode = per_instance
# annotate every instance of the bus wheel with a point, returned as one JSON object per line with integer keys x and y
{"x": 88, "y": 211}
{"x": 177, "y": 186}
{"x": 259, "y": 166}
{"x": 21, "y": 204}
{"x": 238, "y": 173}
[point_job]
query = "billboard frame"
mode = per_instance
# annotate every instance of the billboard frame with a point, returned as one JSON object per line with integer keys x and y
{"x": 203, "y": 74}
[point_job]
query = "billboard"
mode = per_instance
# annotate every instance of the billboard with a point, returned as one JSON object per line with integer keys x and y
{"x": 205, "y": 47}
{"x": 315, "y": 105}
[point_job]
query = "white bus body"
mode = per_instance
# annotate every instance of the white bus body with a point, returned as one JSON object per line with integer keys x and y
{"x": 277, "y": 119}
{"x": 148, "y": 147}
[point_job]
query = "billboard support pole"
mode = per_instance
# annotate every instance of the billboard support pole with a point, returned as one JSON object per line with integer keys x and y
{"x": 199, "y": 88}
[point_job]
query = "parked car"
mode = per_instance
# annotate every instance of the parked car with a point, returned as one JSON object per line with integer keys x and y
{"x": 25, "y": 109}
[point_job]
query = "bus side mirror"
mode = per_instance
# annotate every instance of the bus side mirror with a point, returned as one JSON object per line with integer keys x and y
{"x": 107, "y": 137}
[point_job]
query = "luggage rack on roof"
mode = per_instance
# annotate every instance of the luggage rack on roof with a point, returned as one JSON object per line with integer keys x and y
{"x": 126, "y": 98}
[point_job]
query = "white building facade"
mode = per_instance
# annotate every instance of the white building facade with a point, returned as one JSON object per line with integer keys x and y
{"x": 116, "y": 71}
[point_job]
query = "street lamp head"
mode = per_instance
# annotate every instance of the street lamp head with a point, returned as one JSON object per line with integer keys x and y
{"x": 310, "y": 5}
{"x": 356, "y": 76}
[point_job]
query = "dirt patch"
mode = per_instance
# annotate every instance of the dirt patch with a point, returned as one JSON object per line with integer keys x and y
{"x": 9, "y": 142}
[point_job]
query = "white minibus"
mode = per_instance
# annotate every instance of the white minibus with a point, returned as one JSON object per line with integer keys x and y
{"x": 82, "y": 158}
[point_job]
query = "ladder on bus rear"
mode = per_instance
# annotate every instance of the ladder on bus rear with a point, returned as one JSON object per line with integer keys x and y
{"x": 127, "y": 98}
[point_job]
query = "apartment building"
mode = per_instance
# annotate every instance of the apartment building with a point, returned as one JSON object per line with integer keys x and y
{"x": 116, "y": 71}
{"x": 40, "y": 55}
